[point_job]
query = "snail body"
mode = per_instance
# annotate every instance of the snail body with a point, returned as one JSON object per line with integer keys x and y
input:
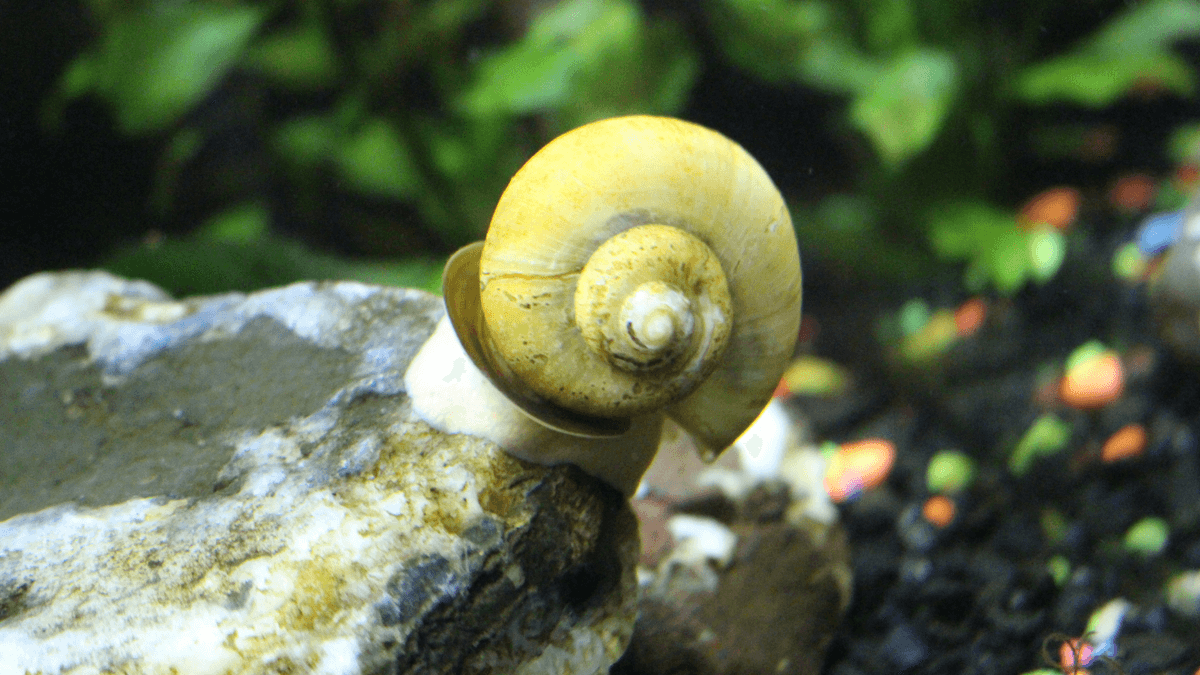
{"x": 635, "y": 267}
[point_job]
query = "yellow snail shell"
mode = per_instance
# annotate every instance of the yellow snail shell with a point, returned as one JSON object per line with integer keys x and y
{"x": 634, "y": 265}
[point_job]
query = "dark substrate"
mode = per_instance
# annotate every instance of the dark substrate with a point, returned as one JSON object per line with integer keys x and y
{"x": 978, "y": 597}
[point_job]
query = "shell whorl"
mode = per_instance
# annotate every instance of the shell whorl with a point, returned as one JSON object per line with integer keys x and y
{"x": 634, "y": 264}
{"x": 653, "y": 302}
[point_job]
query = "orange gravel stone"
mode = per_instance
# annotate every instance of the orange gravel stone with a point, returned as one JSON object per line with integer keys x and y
{"x": 939, "y": 510}
{"x": 1186, "y": 176}
{"x": 969, "y": 316}
{"x": 1056, "y": 207}
{"x": 1094, "y": 383}
{"x": 1067, "y": 653}
{"x": 1128, "y": 441}
{"x": 858, "y": 466}
{"x": 1132, "y": 192}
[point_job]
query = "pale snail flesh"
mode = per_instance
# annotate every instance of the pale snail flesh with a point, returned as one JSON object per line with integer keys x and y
{"x": 633, "y": 265}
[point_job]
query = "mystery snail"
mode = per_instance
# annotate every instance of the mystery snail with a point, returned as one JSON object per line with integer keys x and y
{"x": 635, "y": 267}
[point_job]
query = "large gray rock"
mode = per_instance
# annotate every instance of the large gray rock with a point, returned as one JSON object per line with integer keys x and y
{"x": 236, "y": 484}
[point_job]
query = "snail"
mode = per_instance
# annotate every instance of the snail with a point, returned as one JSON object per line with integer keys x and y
{"x": 634, "y": 268}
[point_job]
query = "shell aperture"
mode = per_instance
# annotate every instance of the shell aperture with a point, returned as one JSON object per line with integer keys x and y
{"x": 460, "y": 289}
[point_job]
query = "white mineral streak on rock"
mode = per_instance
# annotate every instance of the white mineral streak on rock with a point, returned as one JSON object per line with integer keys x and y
{"x": 701, "y": 539}
{"x": 324, "y": 536}
{"x": 773, "y": 448}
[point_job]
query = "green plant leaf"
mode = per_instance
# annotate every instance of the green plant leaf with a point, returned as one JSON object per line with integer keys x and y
{"x": 1147, "y": 27}
{"x": 890, "y": 26}
{"x": 669, "y": 82}
{"x": 298, "y": 58}
{"x": 586, "y": 59}
{"x": 538, "y": 71}
{"x": 770, "y": 37}
{"x": 182, "y": 147}
{"x": 1098, "y": 80}
{"x": 996, "y": 250}
{"x": 306, "y": 141}
{"x": 243, "y": 223}
{"x": 376, "y": 160}
{"x": 204, "y": 265}
{"x": 836, "y": 65}
{"x": 473, "y": 159}
{"x": 1006, "y": 259}
{"x": 1132, "y": 49}
{"x": 904, "y": 107}
{"x": 961, "y": 229}
{"x": 1183, "y": 147}
{"x": 848, "y": 228}
{"x": 651, "y": 72}
{"x": 523, "y": 80}
{"x": 153, "y": 65}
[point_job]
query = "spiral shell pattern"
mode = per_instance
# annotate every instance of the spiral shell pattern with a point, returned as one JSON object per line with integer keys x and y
{"x": 639, "y": 264}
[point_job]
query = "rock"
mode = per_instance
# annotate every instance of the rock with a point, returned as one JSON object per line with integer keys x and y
{"x": 772, "y": 608}
{"x": 236, "y": 484}
{"x": 1175, "y": 289}
{"x": 750, "y": 578}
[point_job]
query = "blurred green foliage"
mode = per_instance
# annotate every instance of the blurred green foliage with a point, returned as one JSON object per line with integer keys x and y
{"x": 235, "y": 251}
{"x": 443, "y": 148}
{"x": 153, "y": 65}
{"x": 930, "y": 84}
{"x": 422, "y": 110}
{"x": 996, "y": 250}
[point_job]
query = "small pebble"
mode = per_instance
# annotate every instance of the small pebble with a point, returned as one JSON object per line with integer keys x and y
{"x": 1046, "y": 436}
{"x": 939, "y": 510}
{"x": 858, "y": 466}
{"x": 949, "y": 471}
{"x": 904, "y": 647}
{"x": 1047, "y": 250}
{"x": 1059, "y": 568}
{"x": 704, "y": 537}
{"x": 1128, "y": 441}
{"x": 1129, "y": 264}
{"x": 1148, "y": 536}
{"x": 1183, "y": 594}
{"x": 1056, "y": 207}
{"x": 1132, "y": 192}
{"x": 760, "y": 448}
{"x": 1093, "y": 381}
{"x": 781, "y": 390}
{"x": 913, "y": 316}
{"x": 1105, "y": 624}
{"x": 1187, "y": 176}
{"x": 917, "y": 533}
{"x": 969, "y": 316}
{"x": 1154, "y": 652}
{"x": 1067, "y": 655}
{"x": 934, "y": 338}
{"x": 1158, "y": 232}
{"x": 814, "y": 376}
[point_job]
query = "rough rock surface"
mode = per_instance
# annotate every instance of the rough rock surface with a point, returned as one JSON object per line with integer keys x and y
{"x": 235, "y": 484}
{"x": 744, "y": 568}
